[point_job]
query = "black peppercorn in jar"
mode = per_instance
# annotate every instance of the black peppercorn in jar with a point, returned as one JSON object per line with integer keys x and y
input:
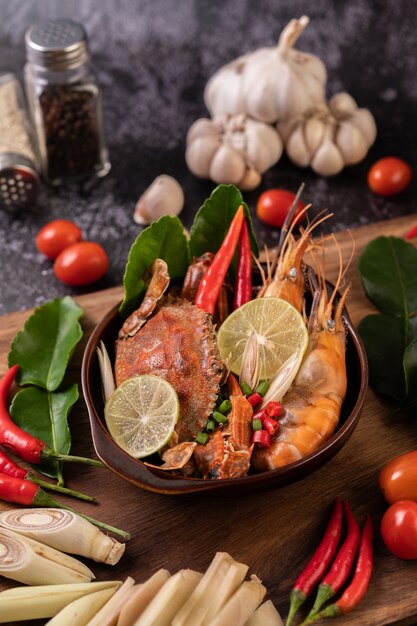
{"x": 65, "y": 102}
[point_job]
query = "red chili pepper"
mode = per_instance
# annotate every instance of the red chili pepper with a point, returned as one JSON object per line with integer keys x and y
{"x": 254, "y": 399}
{"x": 262, "y": 438}
{"x": 243, "y": 286}
{"x": 271, "y": 425}
{"x": 23, "y": 444}
{"x": 10, "y": 468}
{"x": 259, "y": 415}
{"x": 318, "y": 563}
{"x": 411, "y": 233}
{"x": 341, "y": 566}
{"x": 24, "y": 492}
{"x": 363, "y": 571}
{"x": 210, "y": 284}
{"x": 273, "y": 409}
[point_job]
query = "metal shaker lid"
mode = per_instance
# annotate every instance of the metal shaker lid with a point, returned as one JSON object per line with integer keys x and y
{"x": 57, "y": 45}
{"x": 19, "y": 181}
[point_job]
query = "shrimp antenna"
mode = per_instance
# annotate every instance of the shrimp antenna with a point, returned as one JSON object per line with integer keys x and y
{"x": 290, "y": 216}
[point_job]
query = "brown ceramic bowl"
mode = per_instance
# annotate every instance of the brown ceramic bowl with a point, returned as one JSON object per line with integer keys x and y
{"x": 153, "y": 479}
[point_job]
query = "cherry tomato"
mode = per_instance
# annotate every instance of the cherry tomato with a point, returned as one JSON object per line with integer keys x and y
{"x": 81, "y": 264}
{"x": 398, "y": 478}
{"x": 56, "y": 236}
{"x": 399, "y": 529}
{"x": 389, "y": 176}
{"x": 273, "y": 206}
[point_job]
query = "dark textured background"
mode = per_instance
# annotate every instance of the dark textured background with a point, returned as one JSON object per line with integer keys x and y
{"x": 153, "y": 59}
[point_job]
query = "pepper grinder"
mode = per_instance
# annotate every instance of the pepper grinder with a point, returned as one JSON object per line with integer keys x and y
{"x": 65, "y": 102}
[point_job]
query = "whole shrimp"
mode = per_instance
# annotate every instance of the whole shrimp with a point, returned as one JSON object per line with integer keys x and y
{"x": 311, "y": 408}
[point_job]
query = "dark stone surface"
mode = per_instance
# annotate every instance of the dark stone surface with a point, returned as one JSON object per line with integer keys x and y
{"x": 153, "y": 59}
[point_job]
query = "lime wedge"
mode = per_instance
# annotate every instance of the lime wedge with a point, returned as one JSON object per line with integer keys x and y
{"x": 141, "y": 414}
{"x": 279, "y": 329}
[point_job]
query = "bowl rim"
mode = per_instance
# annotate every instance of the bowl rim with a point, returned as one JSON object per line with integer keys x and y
{"x": 153, "y": 479}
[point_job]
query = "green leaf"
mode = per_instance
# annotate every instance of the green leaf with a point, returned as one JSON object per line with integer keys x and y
{"x": 382, "y": 337}
{"x": 164, "y": 239}
{"x": 45, "y": 345}
{"x": 213, "y": 219}
{"x": 44, "y": 415}
{"x": 388, "y": 268}
{"x": 410, "y": 369}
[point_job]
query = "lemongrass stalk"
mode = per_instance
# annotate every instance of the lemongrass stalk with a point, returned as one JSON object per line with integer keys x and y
{"x": 265, "y": 615}
{"x": 169, "y": 599}
{"x": 78, "y": 612}
{"x": 242, "y": 604}
{"x": 64, "y": 530}
{"x": 108, "y": 614}
{"x": 107, "y": 379}
{"x": 29, "y": 603}
{"x": 140, "y": 596}
{"x": 197, "y": 606}
{"x": 249, "y": 372}
{"x": 281, "y": 381}
{"x": 233, "y": 578}
{"x": 33, "y": 563}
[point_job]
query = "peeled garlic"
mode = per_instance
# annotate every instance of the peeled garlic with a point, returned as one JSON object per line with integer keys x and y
{"x": 233, "y": 149}
{"x": 163, "y": 197}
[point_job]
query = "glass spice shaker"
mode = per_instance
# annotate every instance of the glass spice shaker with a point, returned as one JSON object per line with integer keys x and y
{"x": 19, "y": 180}
{"x": 65, "y": 102}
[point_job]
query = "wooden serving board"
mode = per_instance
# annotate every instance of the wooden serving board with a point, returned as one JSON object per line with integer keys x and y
{"x": 274, "y": 532}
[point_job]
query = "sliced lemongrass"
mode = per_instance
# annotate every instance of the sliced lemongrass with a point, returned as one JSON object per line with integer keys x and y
{"x": 64, "y": 530}
{"x": 108, "y": 614}
{"x": 265, "y": 615}
{"x": 140, "y": 596}
{"x": 282, "y": 380}
{"x": 249, "y": 372}
{"x": 39, "y": 602}
{"x": 169, "y": 599}
{"x": 78, "y": 612}
{"x": 107, "y": 379}
{"x": 239, "y": 608}
{"x": 231, "y": 581}
{"x": 198, "y": 605}
{"x": 33, "y": 563}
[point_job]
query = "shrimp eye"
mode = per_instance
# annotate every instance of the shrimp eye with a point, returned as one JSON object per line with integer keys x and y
{"x": 292, "y": 273}
{"x": 330, "y": 324}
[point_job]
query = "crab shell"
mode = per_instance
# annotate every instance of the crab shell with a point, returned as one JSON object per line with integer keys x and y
{"x": 177, "y": 343}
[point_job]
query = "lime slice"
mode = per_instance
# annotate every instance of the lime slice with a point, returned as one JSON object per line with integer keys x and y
{"x": 279, "y": 329}
{"x": 141, "y": 414}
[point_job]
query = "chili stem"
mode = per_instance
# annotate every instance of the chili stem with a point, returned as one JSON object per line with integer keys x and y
{"x": 64, "y": 490}
{"x": 51, "y": 455}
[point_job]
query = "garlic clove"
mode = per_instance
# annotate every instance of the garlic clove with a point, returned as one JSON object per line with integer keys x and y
{"x": 263, "y": 145}
{"x": 351, "y": 143}
{"x": 251, "y": 180}
{"x": 223, "y": 91}
{"x": 314, "y": 131}
{"x": 364, "y": 120}
{"x": 286, "y": 127}
{"x": 297, "y": 149}
{"x": 203, "y": 128}
{"x": 163, "y": 197}
{"x": 342, "y": 104}
{"x": 328, "y": 160}
{"x": 227, "y": 166}
{"x": 200, "y": 153}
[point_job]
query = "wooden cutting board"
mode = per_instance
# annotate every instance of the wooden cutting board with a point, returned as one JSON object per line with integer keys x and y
{"x": 274, "y": 532}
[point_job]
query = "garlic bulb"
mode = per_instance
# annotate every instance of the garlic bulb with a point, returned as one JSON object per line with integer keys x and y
{"x": 327, "y": 138}
{"x": 163, "y": 197}
{"x": 269, "y": 84}
{"x": 235, "y": 150}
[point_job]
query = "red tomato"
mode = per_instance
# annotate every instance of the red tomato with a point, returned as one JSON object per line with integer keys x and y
{"x": 273, "y": 206}
{"x": 399, "y": 529}
{"x": 81, "y": 264}
{"x": 389, "y": 176}
{"x": 398, "y": 478}
{"x": 56, "y": 236}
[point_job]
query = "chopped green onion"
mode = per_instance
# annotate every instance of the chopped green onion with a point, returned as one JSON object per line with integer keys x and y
{"x": 257, "y": 424}
{"x": 210, "y": 426}
{"x": 219, "y": 417}
{"x": 262, "y": 388}
{"x": 246, "y": 389}
{"x": 202, "y": 438}
{"x": 225, "y": 407}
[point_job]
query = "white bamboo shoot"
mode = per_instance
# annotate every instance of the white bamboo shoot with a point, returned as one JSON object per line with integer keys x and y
{"x": 34, "y": 563}
{"x": 265, "y": 615}
{"x": 65, "y": 531}
{"x": 169, "y": 599}
{"x": 79, "y": 612}
{"x": 141, "y": 596}
{"x": 24, "y": 603}
{"x": 108, "y": 614}
{"x": 241, "y": 605}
